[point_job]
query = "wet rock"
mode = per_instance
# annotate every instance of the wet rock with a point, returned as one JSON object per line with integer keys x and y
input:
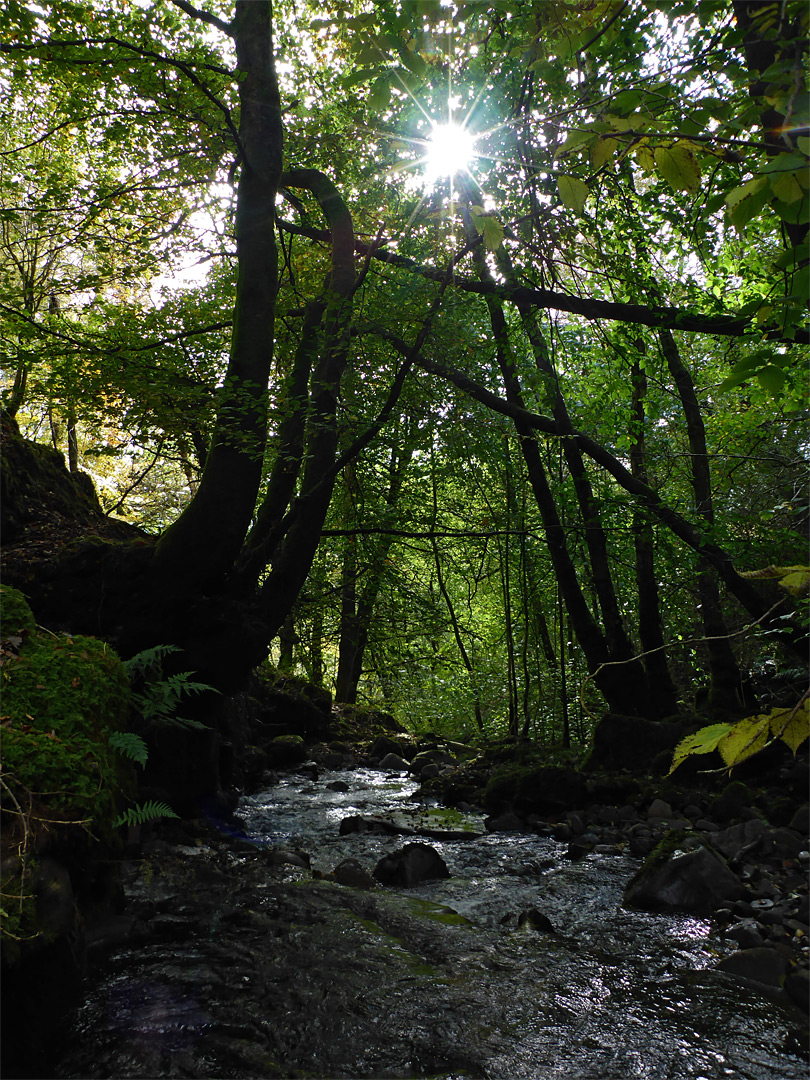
{"x": 383, "y": 745}
{"x": 507, "y": 822}
{"x": 696, "y": 882}
{"x": 745, "y": 935}
{"x": 393, "y": 762}
{"x": 358, "y": 824}
{"x": 351, "y": 872}
{"x": 429, "y": 772}
{"x": 762, "y": 966}
{"x": 535, "y": 920}
{"x": 337, "y": 785}
{"x": 411, "y": 865}
{"x": 797, "y": 984}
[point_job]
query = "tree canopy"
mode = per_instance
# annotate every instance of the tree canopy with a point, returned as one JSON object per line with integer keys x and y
{"x": 491, "y": 440}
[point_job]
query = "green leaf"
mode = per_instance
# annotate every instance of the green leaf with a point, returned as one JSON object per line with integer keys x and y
{"x": 700, "y": 742}
{"x": 130, "y": 745}
{"x": 573, "y": 192}
{"x": 379, "y": 95}
{"x": 746, "y": 738}
{"x": 746, "y": 201}
{"x": 603, "y": 150}
{"x": 143, "y": 812}
{"x": 772, "y": 378}
{"x": 573, "y": 140}
{"x": 678, "y": 166}
{"x": 786, "y": 187}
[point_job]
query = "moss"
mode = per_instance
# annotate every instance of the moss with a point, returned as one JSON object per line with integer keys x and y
{"x": 16, "y": 616}
{"x": 425, "y": 909}
{"x": 62, "y": 697}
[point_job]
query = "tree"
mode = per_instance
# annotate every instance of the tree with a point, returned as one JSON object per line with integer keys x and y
{"x": 499, "y": 289}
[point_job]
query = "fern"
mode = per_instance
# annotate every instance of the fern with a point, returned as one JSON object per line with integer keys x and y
{"x": 158, "y": 697}
{"x": 143, "y": 812}
{"x": 130, "y": 745}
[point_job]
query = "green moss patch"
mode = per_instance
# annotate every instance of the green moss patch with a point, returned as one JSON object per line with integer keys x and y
{"x": 62, "y": 698}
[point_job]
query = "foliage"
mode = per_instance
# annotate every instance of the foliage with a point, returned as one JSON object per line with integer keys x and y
{"x": 65, "y": 701}
{"x": 142, "y": 813}
{"x": 639, "y": 168}
{"x": 157, "y": 696}
{"x": 737, "y": 742}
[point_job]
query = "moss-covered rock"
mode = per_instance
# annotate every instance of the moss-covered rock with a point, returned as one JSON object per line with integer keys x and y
{"x": 62, "y": 699}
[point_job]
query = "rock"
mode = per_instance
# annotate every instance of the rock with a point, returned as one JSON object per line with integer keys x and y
{"x": 659, "y": 809}
{"x": 763, "y": 966}
{"x": 383, "y": 745}
{"x": 507, "y": 822}
{"x": 350, "y": 872}
{"x": 745, "y": 935}
{"x": 287, "y": 750}
{"x": 696, "y": 882}
{"x": 393, "y": 762}
{"x": 730, "y": 802}
{"x": 535, "y": 920}
{"x": 629, "y": 742}
{"x": 411, "y": 865}
{"x": 337, "y": 785}
{"x": 736, "y": 841}
{"x": 755, "y": 838}
{"x": 797, "y": 984}
{"x": 429, "y": 772}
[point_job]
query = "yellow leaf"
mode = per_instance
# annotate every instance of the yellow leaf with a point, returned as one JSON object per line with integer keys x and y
{"x": 746, "y": 738}
{"x": 792, "y": 726}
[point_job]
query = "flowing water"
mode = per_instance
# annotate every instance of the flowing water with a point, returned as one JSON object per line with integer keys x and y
{"x": 438, "y": 980}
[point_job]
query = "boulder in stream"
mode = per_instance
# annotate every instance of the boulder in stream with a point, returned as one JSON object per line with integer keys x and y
{"x": 696, "y": 882}
{"x": 411, "y": 865}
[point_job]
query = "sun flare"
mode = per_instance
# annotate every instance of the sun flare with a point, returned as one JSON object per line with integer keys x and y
{"x": 450, "y": 150}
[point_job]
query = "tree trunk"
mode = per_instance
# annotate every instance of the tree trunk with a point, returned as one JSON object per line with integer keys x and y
{"x": 650, "y": 625}
{"x": 200, "y": 547}
{"x": 725, "y": 691}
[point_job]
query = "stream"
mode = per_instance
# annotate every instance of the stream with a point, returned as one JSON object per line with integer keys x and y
{"x": 241, "y": 964}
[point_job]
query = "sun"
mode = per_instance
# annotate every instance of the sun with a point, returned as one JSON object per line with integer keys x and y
{"x": 450, "y": 150}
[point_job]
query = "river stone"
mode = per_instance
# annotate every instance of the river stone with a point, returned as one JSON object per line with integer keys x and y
{"x": 351, "y": 872}
{"x": 659, "y": 809}
{"x": 736, "y": 839}
{"x": 383, "y": 745}
{"x": 696, "y": 882}
{"x": 761, "y": 965}
{"x": 411, "y": 865}
{"x": 393, "y": 762}
{"x": 801, "y": 820}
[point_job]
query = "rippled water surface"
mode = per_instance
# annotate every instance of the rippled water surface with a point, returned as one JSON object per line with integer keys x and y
{"x": 612, "y": 994}
{"x": 242, "y": 966}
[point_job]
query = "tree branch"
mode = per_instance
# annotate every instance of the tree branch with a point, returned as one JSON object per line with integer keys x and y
{"x": 203, "y": 16}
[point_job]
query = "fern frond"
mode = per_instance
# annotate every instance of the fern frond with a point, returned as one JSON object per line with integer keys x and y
{"x": 130, "y": 745}
{"x": 143, "y": 812}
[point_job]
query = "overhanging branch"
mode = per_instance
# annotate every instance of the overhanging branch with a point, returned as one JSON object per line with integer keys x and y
{"x": 662, "y": 317}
